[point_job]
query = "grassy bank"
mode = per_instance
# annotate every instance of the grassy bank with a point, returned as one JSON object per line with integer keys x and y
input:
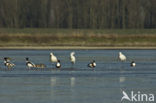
{"x": 77, "y": 37}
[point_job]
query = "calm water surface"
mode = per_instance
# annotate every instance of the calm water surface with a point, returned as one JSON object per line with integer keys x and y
{"x": 78, "y": 83}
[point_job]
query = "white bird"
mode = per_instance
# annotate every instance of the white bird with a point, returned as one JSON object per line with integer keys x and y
{"x": 29, "y": 64}
{"x": 122, "y": 57}
{"x": 133, "y": 64}
{"x": 92, "y": 64}
{"x": 58, "y": 64}
{"x": 7, "y": 63}
{"x": 53, "y": 58}
{"x": 72, "y": 58}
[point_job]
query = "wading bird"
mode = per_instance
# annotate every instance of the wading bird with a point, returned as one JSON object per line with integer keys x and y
{"x": 29, "y": 64}
{"x": 53, "y": 58}
{"x": 7, "y": 63}
{"x": 133, "y": 64}
{"x": 122, "y": 57}
{"x": 72, "y": 58}
{"x": 58, "y": 64}
{"x": 92, "y": 64}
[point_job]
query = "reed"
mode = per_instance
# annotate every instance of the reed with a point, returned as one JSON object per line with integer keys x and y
{"x": 77, "y": 37}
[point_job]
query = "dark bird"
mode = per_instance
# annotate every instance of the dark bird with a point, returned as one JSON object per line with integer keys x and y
{"x": 29, "y": 64}
{"x": 7, "y": 63}
{"x": 92, "y": 64}
{"x": 58, "y": 64}
{"x": 133, "y": 64}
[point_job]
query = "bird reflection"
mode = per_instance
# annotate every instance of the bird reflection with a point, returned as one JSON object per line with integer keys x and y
{"x": 72, "y": 81}
{"x": 53, "y": 81}
{"x": 122, "y": 79}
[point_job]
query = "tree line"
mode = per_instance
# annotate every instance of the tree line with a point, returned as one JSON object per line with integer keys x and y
{"x": 90, "y": 14}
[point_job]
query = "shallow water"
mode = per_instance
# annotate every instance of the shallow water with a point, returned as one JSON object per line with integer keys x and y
{"x": 78, "y": 83}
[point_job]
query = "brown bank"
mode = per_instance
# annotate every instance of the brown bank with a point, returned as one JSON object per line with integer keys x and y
{"x": 77, "y": 39}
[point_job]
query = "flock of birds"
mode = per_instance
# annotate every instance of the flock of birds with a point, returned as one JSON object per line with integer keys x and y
{"x": 54, "y": 59}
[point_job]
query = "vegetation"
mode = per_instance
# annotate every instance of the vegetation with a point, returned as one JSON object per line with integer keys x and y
{"x": 77, "y": 37}
{"x": 77, "y": 22}
{"x": 78, "y": 14}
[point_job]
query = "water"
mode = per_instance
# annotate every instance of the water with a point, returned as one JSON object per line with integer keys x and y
{"x": 77, "y": 84}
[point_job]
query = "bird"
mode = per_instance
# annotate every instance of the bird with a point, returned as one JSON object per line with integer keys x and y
{"x": 72, "y": 58}
{"x": 53, "y": 58}
{"x": 133, "y": 64}
{"x": 29, "y": 64}
{"x": 92, "y": 64}
{"x": 7, "y": 63}
{"x": 40, "y": 65}
{"x": 58, "y": 64}
{"x": 122, "y": 57}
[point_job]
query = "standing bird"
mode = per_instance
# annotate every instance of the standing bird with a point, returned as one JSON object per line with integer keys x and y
{"x": 122, "y": 57}
{"x": 7, "y": 63}
{"x": 53, "y": 58}
{"x": 92, "y": 64}
{"x": 58, "y": 64}
{"x": 133, "y": 64}
{"x": 72, "y": 58}
{"x": 29, "y": 64}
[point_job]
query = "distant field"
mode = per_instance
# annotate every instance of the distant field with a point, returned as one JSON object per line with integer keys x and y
{"x": 77, "y": 37}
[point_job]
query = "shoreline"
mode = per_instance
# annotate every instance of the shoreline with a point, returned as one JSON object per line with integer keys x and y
{"x": 73, "y": 47}
{"x": 39, "y": 38}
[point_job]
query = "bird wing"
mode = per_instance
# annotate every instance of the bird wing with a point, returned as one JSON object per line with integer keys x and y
{"x": 12, "y": 64}
{"x": 33, "y": 65}
{"x": 72, "y": 59}
{"x": 124, "y": 57}
{"x": 53, "y": 58}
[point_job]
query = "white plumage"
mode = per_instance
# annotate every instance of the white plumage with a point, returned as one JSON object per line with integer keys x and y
{"x": 122, "y": 57}
{"x": 7, "y": 63}
{"x": 72, "y": 58}
{"x": 53, "y": 58}
{"x": 58, "y": 64}
{"x": 92, "y": 64}
{"x": 30, "y": 64}
{"x": 133, "y": 64}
